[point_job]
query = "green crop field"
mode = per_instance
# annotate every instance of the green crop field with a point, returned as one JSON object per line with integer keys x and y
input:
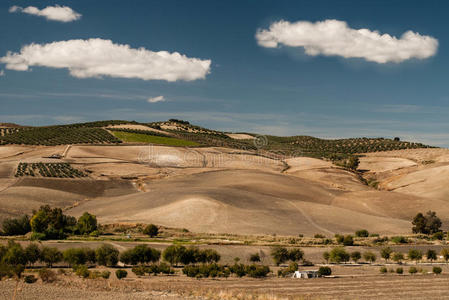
{"x": 132, "y": 137}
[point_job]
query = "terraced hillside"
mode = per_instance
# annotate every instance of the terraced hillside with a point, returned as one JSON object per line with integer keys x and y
{"x": 182, "y": 133}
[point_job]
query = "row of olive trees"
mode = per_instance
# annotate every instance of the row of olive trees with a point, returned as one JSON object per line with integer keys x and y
{"x": 14, "y": 254}
{"x": 339, "y": 255}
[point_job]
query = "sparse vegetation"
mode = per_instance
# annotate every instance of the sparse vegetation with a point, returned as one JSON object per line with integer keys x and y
{"x": 428, "y": 224}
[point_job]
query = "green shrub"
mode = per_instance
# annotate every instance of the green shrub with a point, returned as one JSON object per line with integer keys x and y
{"x": 369, "y": 256}
{"x": 106, "y": 255}
{"x": 140, "y": 254}
{"x": 139, "y": 270}
{"x": 398, "y": 257}
{"x": 399, "y": 270}
{"x": 437, "y": 270}
{"x": 339, "y": 255}
{"x": 105, "y": 274}
{"x": 399, "y": 240}
{"x": 356, "y": 256}
{"x": 82, "y": 271}
{"x": 324, "y": 271}
{"x": 17, "y": 226}
{"x": 412, "y": 270}
{"x": 319, "y": 236}
{"x": 121, "y": 274}
{"x": 362, "y": 233}
{"x": 29, "y": 279}
{"x": 414, "y": 254}
{"x": 438, "y": 235}
{"x": 151, "y": 230}
{"x": 383, "y": 270}
{"x": 254, "y": 257}
{"x": 257, "y": 271}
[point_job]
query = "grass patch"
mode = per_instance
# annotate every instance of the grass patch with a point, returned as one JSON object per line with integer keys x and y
{"x": 131, "y": 137}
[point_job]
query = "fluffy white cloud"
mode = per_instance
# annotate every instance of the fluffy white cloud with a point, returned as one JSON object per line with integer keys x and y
{"x": 156, "y": 99}
{"x": 335, "y": 38}
{"x": 54, "y": 13}
{"x": 98, "y": 57}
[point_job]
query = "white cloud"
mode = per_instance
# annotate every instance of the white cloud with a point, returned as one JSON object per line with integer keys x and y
{"x": 156, "y": 99}
{"x": 2, "y": 73}
{"x": 98, "y": 57}
{"x": 54, "y": 13}
{"x": 335, "y": 38}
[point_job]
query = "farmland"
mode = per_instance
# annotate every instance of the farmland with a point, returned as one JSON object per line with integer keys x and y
{"x": 60, "y": 135}
{"x": 56, "y": 170}
{"x": 149, "y": 137}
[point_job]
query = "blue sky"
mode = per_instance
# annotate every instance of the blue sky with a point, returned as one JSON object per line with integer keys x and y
{"x": 248, "y": 87}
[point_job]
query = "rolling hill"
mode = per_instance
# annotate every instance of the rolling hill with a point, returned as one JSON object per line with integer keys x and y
{"x": 225, "y": 183}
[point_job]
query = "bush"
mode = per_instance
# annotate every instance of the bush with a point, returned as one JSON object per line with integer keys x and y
{"x": 383, "y": 270}
{"x": 319, "y": 236}
{"x": 139, "y": 270}
{"x": 254, "y": 257}
{"x": 339, "y": 238}
{"x": 412, "y": 270}
{"x": 356, "y": 256}
{"x": 385, "y": 253}
{"x": 324, "y": 271}
{"x": 348, "y": 240}
{"x": 399, "y": 240}
{"x": 75, "y": 256}
{"x": 19, "y": 226}
{"x": 398, "y": 257}
{"x": 257, "y": 271}
{"x": 140, "y": 254}
{"x": 279, "y": 254}
{"x": 47, "y": 275}
{"x": 399, "y": 270}
{"x": 369, "y": 256}
{"x": 437, "y": 270}
{"x": 414, "y": 254}
{"x": 362, "y": 233}
{"x": 121, "y": 274}
{"x": 29, "y": 279}
{"x": 151, "y": 230}
{"x": 338, "y": 255}
{"x": 106, "y": 255}
{"x": 295, "y": 254}
{"x": 431, "y": 255}
{"x": 82, "y": 271}
{"x": 105, "y": 274}
{"x": 438, "y": 235}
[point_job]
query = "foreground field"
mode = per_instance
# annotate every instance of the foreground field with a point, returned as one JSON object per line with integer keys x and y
{"x": 170, "y": 287}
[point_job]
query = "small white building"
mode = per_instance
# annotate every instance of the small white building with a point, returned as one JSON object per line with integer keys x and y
{"x": 305, "y": 274}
